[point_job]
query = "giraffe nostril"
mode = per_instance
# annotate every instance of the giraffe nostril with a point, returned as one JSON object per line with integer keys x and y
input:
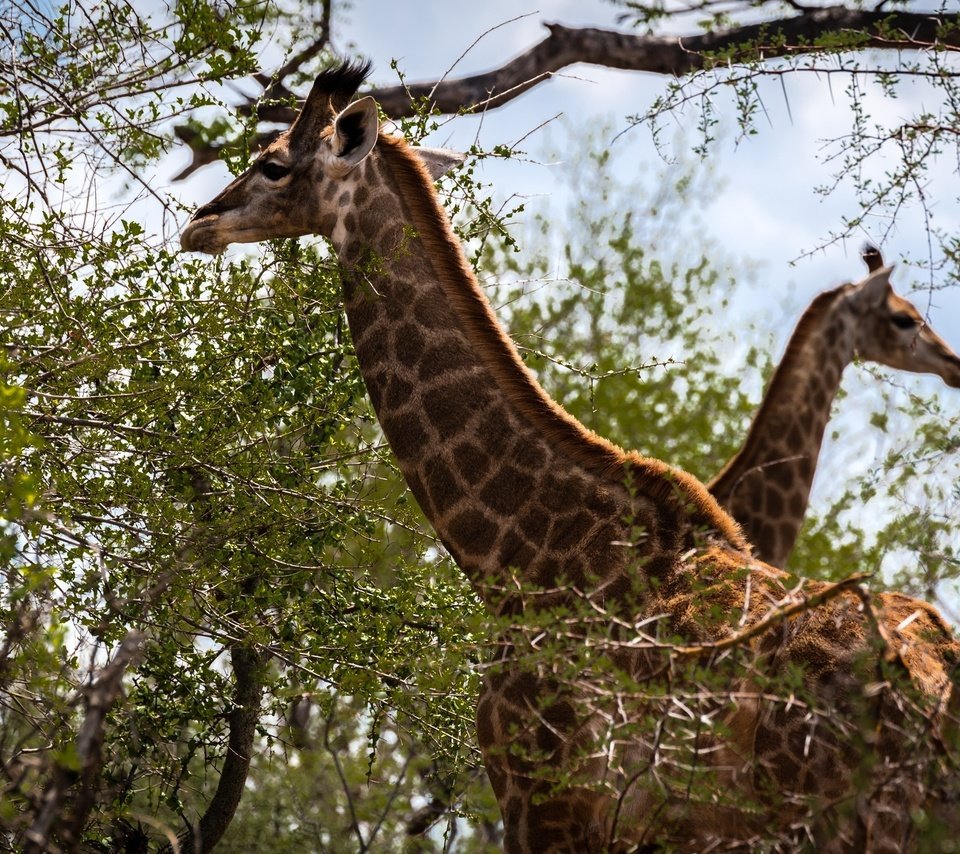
{"x": 211, "y": 209}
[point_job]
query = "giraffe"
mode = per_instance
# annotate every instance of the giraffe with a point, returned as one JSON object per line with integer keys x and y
{"x": 766, "y": 484}
{"x": 619, "y": 565}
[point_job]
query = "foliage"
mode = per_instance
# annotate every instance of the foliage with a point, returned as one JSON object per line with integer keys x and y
{"x": 188, "y": 453}
{"x": 903, "y": 106}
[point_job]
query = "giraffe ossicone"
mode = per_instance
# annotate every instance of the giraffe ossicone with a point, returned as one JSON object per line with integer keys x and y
{"x": 636, "y": 696}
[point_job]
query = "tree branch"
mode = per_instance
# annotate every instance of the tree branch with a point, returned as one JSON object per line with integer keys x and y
{"x": 100, "y": 697}
{"x": 669, "y": 55}
{"x": 248, "y": 690}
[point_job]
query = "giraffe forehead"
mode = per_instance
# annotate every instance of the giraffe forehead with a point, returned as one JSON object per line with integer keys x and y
{"x": 279, "y": 148}
{"x": 900, "y": 305}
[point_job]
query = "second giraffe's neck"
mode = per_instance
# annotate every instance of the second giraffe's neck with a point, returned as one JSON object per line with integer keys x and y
{"x": 766, "y": 485}
{"x": 505, "y": 476}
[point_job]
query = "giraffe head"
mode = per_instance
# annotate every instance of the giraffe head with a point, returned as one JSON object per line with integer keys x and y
{"x": 891, "y": 331}
{"x": 296, "y": 184}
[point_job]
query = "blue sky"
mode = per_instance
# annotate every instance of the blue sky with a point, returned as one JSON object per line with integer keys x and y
{"x": 765, "y": 213}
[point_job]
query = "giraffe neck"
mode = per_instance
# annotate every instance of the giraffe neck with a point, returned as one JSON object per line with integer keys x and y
{"x": 766, "y": 485}
{"x": 506, "y": 477}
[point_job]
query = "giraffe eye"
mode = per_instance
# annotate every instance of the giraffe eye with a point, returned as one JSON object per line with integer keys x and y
{"x": 904, "y": 321}
{"x": 274, "y": 171}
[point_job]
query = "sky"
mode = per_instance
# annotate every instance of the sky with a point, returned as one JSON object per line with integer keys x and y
{"x": 762, "y": 210}
{"x": 765, "y": 211}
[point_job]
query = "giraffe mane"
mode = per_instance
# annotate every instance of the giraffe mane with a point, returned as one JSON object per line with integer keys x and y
{"x": 809, "y": 323}
{"x": 340, "y": 82}
{"x": 659, "y": 480}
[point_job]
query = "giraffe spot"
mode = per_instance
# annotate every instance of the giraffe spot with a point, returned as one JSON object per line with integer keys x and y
{"x": 515, "y": 551}
{"x": 571, "y": 571}
{"x": 361, "y": 196}
{"x": 788, "y": 770}
{"x": 768, "y": 740}
{"x": 557, "y": 493}
{"x": 766, "y": 537}
{"x": 774, "y": 503}
{"x": 497, "y": 430}
{"x": 432, "y": 312}
{"x": 798, "y": 505}
{"x": 408, "y": 344}
{"x": 600, "y": 502}
{"x": 782, "y": 475}
{"x": 447, "y": 356}
{"x": 417, "y": 488}
{"x": 514, "y": 818}
{"x": 548, "y": 823}
{"x": 450, "y": 406}
{"x": 406, "y": 434}
{"x": 531, "y": 456}
{"x": 623, "y": 590}
{"x": 546, "y": 572}
{"x": 486, "y": 734}
{"x": 372, "y": 219}
{"x": 787, "y": 532}
{"x": 394, "y": 306}
{"x": 328, "y": 222}
{"x": 507, "y": 490}
{"x": 569, "y": 532}
{"x": 472, "y": 462}
{"x": 497, "y": 777}
{"x": 544, "y": 815}
{"x": 832, "y": 334}
{"x": 442, "y": 485}
{"x": 410, "y": 269}
{"x": 534, "y": 524}
{"x": 659, "y": 565}
{"x": 375, "y": 392}
{"x": 350, "y": 222}
{"x": 372, "y": 351}
{"x": 401, "y": 293}
{"x": 344, "y": 200}
{"x": 398, "y": 392}
{"x": 597, "y": 553}
{"x": 473, "y": 531}
{"x": 521, "y": 691}
{"x": 543, "y": 836}
{"x": 547, "y": 740}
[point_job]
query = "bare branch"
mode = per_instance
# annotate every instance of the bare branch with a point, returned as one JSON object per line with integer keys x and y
{"x": 804, "y": 603}
{"x": 668, "y": 55}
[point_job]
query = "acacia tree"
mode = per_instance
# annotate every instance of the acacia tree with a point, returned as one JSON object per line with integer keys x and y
{"x": 197, "y": 464}
{"x": 204, "y": 536}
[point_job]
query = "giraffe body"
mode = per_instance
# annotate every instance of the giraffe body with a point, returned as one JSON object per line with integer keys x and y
{"x": 766, "y": 485}
{"x": 582, "y": 552}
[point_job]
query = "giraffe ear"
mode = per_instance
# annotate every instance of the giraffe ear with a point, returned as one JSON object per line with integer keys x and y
{"x": 355, "y": 132}
{"x": 439, "y": 161}
{"x": 877, "y": 285}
